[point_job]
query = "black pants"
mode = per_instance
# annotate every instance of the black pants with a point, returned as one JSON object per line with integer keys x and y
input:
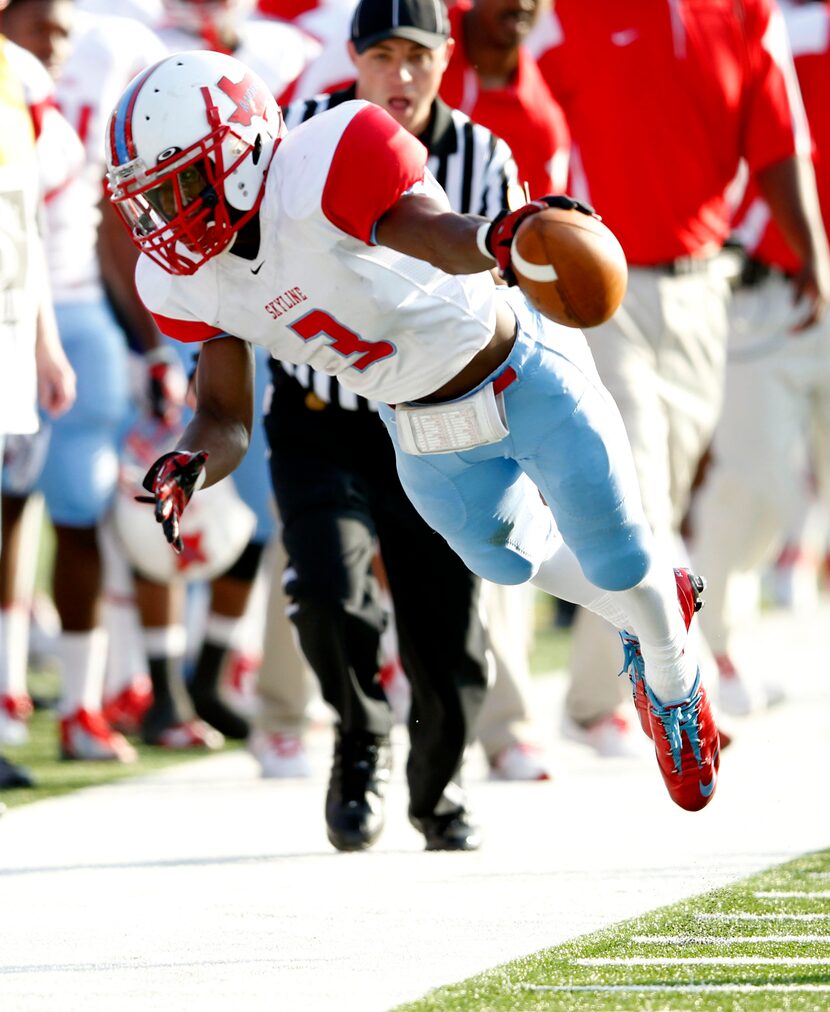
{"x": 337, "y": 490}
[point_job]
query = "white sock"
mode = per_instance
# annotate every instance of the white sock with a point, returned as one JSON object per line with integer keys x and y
{"x": 165, "y": 641}
{"x": 656, "y": 618}
{"x": 83, "y": 657}
{"x": 561, "y": 575}
{"x": 14, "y": 650}
{"x": 225, "y": 631}
{"x": 651, "y": 610}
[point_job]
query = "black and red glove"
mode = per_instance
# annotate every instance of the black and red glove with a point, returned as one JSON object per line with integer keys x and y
{"x": 498, "y": 238}
{"x": 172, "y": 480}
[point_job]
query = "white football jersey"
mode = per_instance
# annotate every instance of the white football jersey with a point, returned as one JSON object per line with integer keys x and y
{"x": 389, "y": 326}
{"x": 106, "y": 53}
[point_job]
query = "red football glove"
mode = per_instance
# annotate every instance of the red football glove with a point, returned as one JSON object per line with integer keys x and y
{"x": 172, "y": 480}
{"x": 499, "y": 236}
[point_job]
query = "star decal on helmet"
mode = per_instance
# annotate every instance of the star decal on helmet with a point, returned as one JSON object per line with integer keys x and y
{"x": 249, "y": 97}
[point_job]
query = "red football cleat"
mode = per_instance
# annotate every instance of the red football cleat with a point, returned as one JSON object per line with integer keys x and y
{"x": 125, "y": 712}
{"x": 687, "y": 745}
{"x": 689, "y": 590}
{"x": 86, "y": 735}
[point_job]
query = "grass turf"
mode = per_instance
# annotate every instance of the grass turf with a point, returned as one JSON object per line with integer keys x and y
{"x": 55, "y": 776}
{"x": 605, "y": 971}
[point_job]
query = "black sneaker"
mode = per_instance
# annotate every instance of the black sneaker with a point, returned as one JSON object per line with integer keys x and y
{"x": 355, "y": 798}
{"x": 453, "y": 830}
{"x": 12, "y": 775}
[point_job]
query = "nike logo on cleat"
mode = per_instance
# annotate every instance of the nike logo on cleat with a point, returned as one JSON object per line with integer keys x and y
{"x": 706, "y": 789}
{"x": 256, "y": 270}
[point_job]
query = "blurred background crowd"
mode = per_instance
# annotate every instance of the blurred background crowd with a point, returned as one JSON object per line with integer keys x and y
{"x": 703, "y": 140}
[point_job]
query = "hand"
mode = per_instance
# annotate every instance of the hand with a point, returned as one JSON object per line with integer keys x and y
{"x": 499, "y": 237}
{"x": 812, "y": 285}
{"x": 55, "y": 380}
{"x": 166, "y": 384}
{"x": 173, "y": 479}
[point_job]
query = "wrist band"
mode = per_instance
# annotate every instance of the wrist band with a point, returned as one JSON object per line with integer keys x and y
{"x": 481, "y": 241}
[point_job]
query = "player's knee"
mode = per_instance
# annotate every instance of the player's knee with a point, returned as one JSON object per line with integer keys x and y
{"x": 620, "y": 569}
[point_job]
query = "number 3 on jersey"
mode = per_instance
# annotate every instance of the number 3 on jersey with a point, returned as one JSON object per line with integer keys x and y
{"x": 345, "y": 342}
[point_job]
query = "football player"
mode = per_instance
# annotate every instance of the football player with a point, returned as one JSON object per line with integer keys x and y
{"x": 334, "y": 246}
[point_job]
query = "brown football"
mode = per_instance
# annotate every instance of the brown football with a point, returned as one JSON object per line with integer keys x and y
{"x": 570, "y": 266}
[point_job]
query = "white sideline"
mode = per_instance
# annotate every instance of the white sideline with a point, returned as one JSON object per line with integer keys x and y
{"x": 761, "y": 917}
{"x": 704, "y": 961}
{"x": 704, "y": 988}
{"x": 207, "y": 888}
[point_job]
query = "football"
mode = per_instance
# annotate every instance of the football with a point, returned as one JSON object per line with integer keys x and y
{"x": 570, "y": 266}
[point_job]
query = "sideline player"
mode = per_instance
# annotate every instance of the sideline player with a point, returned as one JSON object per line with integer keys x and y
{"x": 334, "y": 246}
{"x": 33, "y": 365}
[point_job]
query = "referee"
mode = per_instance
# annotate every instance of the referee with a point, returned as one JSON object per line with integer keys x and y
{"x": 338, "y": 493}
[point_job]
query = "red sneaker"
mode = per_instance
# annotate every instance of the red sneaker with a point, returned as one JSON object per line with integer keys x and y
{"x": 687, "y": 745}
{"x": 689, "y": 590}
{"x": 86, "y": 735}
{"x": 125, "y": 712}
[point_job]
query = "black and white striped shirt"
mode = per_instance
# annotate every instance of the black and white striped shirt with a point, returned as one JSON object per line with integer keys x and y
{"x": 475, "y": 169}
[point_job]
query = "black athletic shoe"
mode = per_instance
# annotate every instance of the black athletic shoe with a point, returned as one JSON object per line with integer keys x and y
{"x": 355, "y": 798}
{"x": 453, "y": 830}
{"x": 14, "y": 776}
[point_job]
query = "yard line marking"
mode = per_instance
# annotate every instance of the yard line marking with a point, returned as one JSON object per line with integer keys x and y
{"x": 731, "y": 988}
{"x": 762, "y": 917}
{"x": 705, "y": 960}
{"x": 725, "y": 940}
{"x": 784, "y": 894}
{"x": 818, "y": 874}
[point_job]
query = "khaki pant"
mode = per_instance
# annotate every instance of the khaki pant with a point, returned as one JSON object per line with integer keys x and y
{"x": 286, "y": 683}
{"x": 775, "y": 428}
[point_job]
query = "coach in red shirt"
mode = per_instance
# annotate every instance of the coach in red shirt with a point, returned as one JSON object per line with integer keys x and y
{"x": 664, "y": 98}
{"x": 775, "y": 424}
{"x": 493, "y": 79}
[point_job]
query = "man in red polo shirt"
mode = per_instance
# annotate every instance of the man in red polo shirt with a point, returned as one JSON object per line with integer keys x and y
{"x": 775, "y": 424}
{"x": 493, "y": 79}
{"x": 663, "y": 100}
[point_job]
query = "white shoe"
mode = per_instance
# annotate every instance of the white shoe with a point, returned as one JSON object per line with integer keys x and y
{"x": 611, "y": 737}
{"x": 523, "y": 760}
{"x": 739, "y": 696}
{"x": 14, "y": 712}
{"x": 280, "y": 755}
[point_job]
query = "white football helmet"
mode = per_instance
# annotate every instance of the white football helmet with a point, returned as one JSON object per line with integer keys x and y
{"x": 215, "y": 527}
{"x": 188, "y": 148}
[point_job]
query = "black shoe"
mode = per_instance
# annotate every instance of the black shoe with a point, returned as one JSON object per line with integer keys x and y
{"x": 354, "y": 802}
{"x": 452, "y": 830}
{"x": 14, "y": 776}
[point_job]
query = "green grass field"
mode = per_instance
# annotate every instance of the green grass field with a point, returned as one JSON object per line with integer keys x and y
{"x": 758, "y": 946}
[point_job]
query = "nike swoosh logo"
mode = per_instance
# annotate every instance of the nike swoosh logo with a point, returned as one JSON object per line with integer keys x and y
{"x": 625, "y": 37}
{"x": 256, "y": 270}
{"x": 706, "y": 789}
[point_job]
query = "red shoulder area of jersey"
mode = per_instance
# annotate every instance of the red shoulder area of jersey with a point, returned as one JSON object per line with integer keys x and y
{"x": 374, "y": 162}
{"x": 186, "y": 331}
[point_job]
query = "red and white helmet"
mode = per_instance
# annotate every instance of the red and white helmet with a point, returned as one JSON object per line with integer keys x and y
{"x": 188, "y": 148}
{"x": 215, "y": 527}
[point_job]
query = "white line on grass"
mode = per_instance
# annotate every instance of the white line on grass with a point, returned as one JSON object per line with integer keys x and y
{"x": 818, "y": 874}
{"x": 705, "y": 960}
{"x": 791, "y": 894}
{"x": 677, "y": 987}
{"x": 762, "y": 917}
{"x": 725, "y": 940}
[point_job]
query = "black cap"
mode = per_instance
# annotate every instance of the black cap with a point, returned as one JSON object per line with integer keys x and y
{"x": 422, "y": 21}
